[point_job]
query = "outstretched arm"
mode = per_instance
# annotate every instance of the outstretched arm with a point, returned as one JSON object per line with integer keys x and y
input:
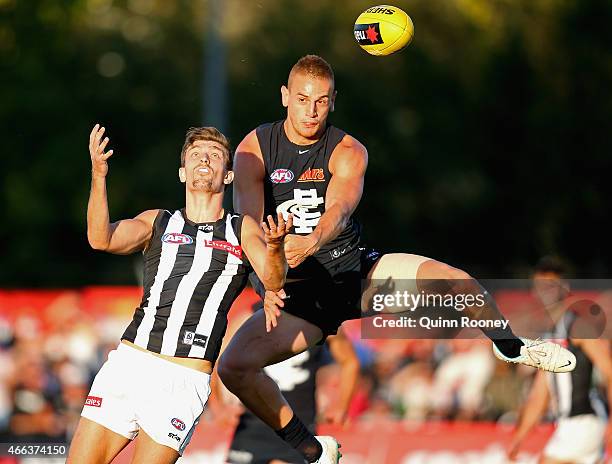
{"x": 266, "y": 253}
{"x": 121, "y": 237}
{"x": 347, "y": 164}
{"x": 532, "y": 412}
{"x": 249, "y": 178}
{"x": 265, "y": 250}
{"x": 343, "y": 353}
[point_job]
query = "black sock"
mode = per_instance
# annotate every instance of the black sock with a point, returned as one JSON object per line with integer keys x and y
{"x": 509, "y": 348}
{"x": 505, "y": 341}
{"x": 297, "y": 435}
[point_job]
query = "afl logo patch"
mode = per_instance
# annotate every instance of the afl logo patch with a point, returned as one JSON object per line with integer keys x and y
{"x": 281, "y": 176}
{"x": 177, "y": 239}
{"x": 178, "y": 424}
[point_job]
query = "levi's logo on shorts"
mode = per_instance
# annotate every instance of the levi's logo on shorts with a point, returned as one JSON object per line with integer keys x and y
{"x": 95, "y": 401}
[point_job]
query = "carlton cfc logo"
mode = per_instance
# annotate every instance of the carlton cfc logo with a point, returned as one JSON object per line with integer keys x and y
{"x": 178, "y": 424}
{"x": 281, "y": 176}
{"x": 177, "y": 239}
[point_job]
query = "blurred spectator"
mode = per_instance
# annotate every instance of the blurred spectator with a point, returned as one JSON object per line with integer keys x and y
{"x": 460, "y": 380}
{"x": 35, "y": 396}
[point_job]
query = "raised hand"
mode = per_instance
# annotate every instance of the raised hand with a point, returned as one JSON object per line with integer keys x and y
{"x": 275, "y": 233}
{"x": 99, "y": 164}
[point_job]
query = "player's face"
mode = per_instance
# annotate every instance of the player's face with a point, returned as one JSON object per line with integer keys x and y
{"x": 205, "y": 168}
{"x": 308, "y": 101}
{"x": 549, "y": 287}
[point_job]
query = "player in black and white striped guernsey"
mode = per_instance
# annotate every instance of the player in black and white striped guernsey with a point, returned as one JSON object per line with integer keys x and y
{"x": 192, "y": 274}
{"x": 155, "y": 385}
{"x": 581, "y": 433}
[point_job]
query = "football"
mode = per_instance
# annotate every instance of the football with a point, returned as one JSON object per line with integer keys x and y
{"x": 383, "y": 30}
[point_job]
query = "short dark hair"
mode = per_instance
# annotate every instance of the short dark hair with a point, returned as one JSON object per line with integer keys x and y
{"x": 213, "y": 134}
{"x": 314, "y": 66}
{"x": 553, "y": 264}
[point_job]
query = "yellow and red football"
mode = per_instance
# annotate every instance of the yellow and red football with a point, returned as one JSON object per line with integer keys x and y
{"x": 383, "y": 29}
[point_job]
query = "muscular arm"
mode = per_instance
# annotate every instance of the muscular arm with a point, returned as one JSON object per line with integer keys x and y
{"x": 343, "y": 353}
{"x": 249, "y": 174}
{"x": 121, "y": 237}
{"x": 266, "y": 256}
{"x": 348, "y": 165}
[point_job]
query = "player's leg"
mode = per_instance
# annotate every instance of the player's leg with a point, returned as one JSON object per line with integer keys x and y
{"x": 107, "y": 421}
{"x": 148, "y": 451}
{"x": 94, "y": 444}
{"x": 251, "y": 349}
{"x": 413, "y": 273}
{"x": 241, "y": 370}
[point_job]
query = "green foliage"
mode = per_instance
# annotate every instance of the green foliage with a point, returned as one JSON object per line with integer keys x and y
{"x": 488, "y": 135}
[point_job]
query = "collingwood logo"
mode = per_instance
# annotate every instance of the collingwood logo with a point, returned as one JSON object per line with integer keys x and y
{"x": 192, "y": 338}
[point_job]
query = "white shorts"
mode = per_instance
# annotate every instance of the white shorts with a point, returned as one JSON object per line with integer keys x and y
{"x": 578, "y": 439}
{"x": 135, "y": 390}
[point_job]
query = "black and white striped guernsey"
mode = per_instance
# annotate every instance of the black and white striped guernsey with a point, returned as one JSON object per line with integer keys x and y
{"x": 192, "y": 274}
{"x": 573, "y": 392}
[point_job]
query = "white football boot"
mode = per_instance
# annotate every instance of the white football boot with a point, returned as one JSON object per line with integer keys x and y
{"x": 331, "y": 450}
{"x": 541, "y": 354}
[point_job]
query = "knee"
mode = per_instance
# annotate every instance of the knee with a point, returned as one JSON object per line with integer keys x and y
{"x": 230, "y": 370}
{"x": 445, "y": 272}
{"x": 449, "y": 277}
{"x": 237, "y": 368}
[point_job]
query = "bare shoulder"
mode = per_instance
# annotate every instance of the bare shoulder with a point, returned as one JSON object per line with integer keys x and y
{"x": 148, "y": 216}
{"x": 349, "y": 153}
{"x": 250, "y": 145}
{"x": 349, "y": 142}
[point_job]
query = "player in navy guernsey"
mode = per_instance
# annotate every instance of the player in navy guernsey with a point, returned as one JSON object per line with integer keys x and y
{"x": 305, "y": 166}
{"x": 155, "y": 385}
{"x": 581, "y": 433}
{"x": 253, "y": 441}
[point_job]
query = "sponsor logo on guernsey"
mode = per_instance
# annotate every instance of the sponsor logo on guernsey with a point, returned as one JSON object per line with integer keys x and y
{"x": 178, "y": 424}
{"x": 174, "y": 436}
{"x": 177, "y": 239}
{"x": 281, "y": 176}
{"x": 192, "y": 338}
{"x": 235, "y": 250}
{"x": 312, "y": 175}
{"x": 368, "y": 34}
{"x": 94, "y": 401}
{"x": 206, "y": 227}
